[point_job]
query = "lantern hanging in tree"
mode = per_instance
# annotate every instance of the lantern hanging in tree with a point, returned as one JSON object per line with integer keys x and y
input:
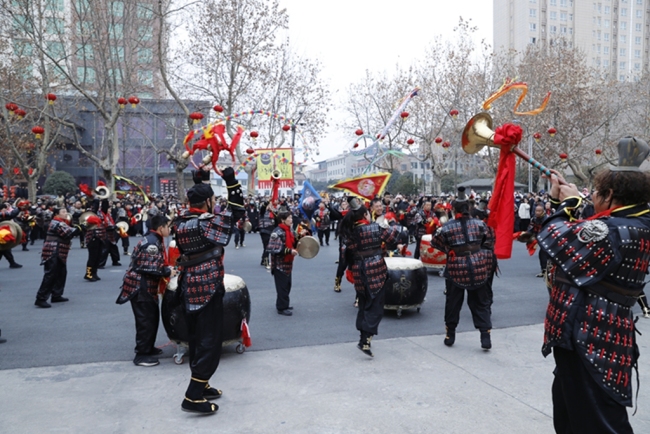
{"x": 2, "y": 171}
{"x": 122, "y": 102}
{"x": 359, "y": 132}
{"x": 598, "y": 152}
{"x": 31, "y": 171}
{"x": 286, "y": 127}
{"x": 552, "y": 131}
{"x": 453, "y": 113}
{"x": 11, "y": 107}
{"x": 537, "y": 136}
{"x": 250, "y": 151}
{"x": 50, "y": 98}
{"x": 446, "y": 145}
{"x": 20, "y": 113}
{"x": 38, "y": 131}
{"x": 196, "y": 117}
{"x": 254, "y": 135}
{"x": 563, "y": 156}
{"x": 404, "y": 115}
{"x": 217, "y": 108}
{"x": 16, "y": 170}
{"x": 410, "y": 142}
{"x": 134, "y": 100}
{"x": 438, "y": 140}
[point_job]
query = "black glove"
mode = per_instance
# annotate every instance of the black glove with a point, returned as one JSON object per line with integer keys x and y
{"x": 228, "y": 175}
{"x": 200, "y": 175}
{"x": 235, "y": 195}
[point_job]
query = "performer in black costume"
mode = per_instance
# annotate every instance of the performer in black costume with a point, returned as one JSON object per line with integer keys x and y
{"x": 109, "y": 246}
{"x": 599, "y": 268}
{"x": 365, "y": 258}
{"x": 471, "y": 263}
{"x": 201, "y": 237}
{"x": 95, "y": 235}
{"x": 267, "y": 223}
{"x": 54, "y": 258}
{"x": 141, "y": 287}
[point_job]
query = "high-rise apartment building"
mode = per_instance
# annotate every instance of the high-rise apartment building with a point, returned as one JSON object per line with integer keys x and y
{"x": 614, "y": 34}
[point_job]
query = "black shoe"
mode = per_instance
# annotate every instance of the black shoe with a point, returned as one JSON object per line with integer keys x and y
{"x": 202, "y": 407}
{"x": 25, "y": 249}
{"x": 59, "y": 299}
{"x": 96, "y": 277}
{"x": 327, "y": 244}
{"x": 155, "y": 352}
{"x": 145, "y": 361}
{"x": 285, "y": 312}
{"x": 364, "y": 345}
{"x": 2, "y": 340}
{"x": 450, "y": 338}
{"x": 486, "y": 342}
{"x": 91, "y": 279}
{"x": 42, "y": 303}
{"x": 210, "y": 393}
{"x": 116, "y": 264}
{"x": 15, "y": 265}
{"x": 290, "y": 308}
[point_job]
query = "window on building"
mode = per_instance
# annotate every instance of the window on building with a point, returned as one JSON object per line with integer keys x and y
{"x": 414, "y": 165}
{"x": 639, "y": 2}
{"x": 532, "y": 40}
{"x": 116, "y": 30}
{"x": 621, "y": 65}
{"x": 571, "y": 19}
{"x": 639, "y": 13}
{"x": 553, "y": 29}
{"x": 533, "y": 1}
{"x": 145, "y": 55}
{"x": 637, "y": 54}
{"x": 54, "y": 25}
{"x": 145, "y": 78}
{"x": 145, "y": 11}
{"x": 606, "y": 63}
{"x": 623, "y": 39}
{"x": 85, "y": 52}
{"x": 606, "y": 24}
{"x": 563, "y": 30}
{"x": 623, "y": 25}
{"x": 117, "y": 8}
{"x": 22, "y": 48}
{"x": 637, "y": 66}
{"x": 606, "y": 50}
{"x": 621, "y": 52}
{"x": 598, "y": 35}
{"x": 533, "y": 27}
{"x": 84, "y": 27}
{"x": 563, "y": 16}
{"x": 55, "y": 49}
{"x": 606, "y": 10}
{"x": 553, "y": 15}
{"x": 637, "y": 27}
{"x": 553, "y": 2}
{"x": 55, "y": 5}
{"x": 624, "y": 12}
{"x": 637, "y": 40}
{"x": 621, "y": 77}
{"x": 606, "y": 37}
{"x": 86, "y": 75}
{"x": 570, "y": 33}
{"x": 115, "y": 75}
{"x": 533, "y": 13}
{"x": 562, "y": 3}
{"x": 117, "y": 53}
{"x": 145, "y": 33}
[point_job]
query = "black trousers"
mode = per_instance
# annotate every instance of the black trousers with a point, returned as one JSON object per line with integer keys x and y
{"x": 205, "y": 329}
{"x": 10, "y": 256}
{"x": 26, "y": 232}
{"x": 125, "y": 244}
{"x": 94, "y": 247}
{"x": 418, "y": 241}
{"x": 342, "y": 265}
{"x": 147, "y": 317}
{"x": 282, "y": 288}
{"x": 109, "y": 248}
{"x": 580, "y": 405}
{"x": 265, "y": 243}
{"x": 55, "y": 274}
{"x": 543, "y": 259}
{"x": 371, "y": 311}
{"x": 240, "y": 234}
{"x": 326, "y": 234}
{"x": 478, "y": 300}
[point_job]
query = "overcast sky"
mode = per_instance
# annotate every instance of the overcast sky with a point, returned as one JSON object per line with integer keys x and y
{"x": 350, "y": 36}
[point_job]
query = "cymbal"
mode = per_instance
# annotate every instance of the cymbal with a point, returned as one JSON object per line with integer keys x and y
{"x": 308, "y": 247}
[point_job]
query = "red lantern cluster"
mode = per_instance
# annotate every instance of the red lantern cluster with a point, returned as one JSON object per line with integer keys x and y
{"x": 20, "y": 113}
{"x": 217, "y": 108}
{"x": 453, "y": 113}
{"x": 196, "y": 117}
{"x": 410, "y": 141}
{"x": 254, "y": 134}
{"x": 250, "y": 151}
{"x": 404, "y": 115}
{"x": 551, "y": 131}
{"x": 359, "y": 132}
{"x": 563, "y": 156}
{"x": 446, "y": 145}
{"x": 50, "y": 98}
{"x": 16, "y": 170}
{"x": 122, "y": 102}
{"x": 537, "y": 136}
{"x": 598, "y": 152}
{"x": 38, "y": 131}
{"x": 30, "y": 171}
{"x": 438, "y": 140}
{"x": 2, "y": 171}
{"x": 134, "y": 101}
{"x": 11, "y": 107}
{"x": 286, "y": 127}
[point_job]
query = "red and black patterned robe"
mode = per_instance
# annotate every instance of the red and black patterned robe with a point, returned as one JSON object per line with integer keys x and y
{"x": 146, "y": 269}
{"x": 57, "y": 241}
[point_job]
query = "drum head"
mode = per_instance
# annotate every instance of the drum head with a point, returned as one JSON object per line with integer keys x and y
{"x": 233, "y": 283}
{"x": 403, "y": 263}
{"x": 308, "y": 247}
{"x": 426, "y": 238}
{"x": 11, "y": 234}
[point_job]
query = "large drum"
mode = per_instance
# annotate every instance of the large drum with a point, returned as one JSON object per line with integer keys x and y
{"x": 406, "y": 286}
{"x": 432, "y": 258}
{"x": 236, "y": 306}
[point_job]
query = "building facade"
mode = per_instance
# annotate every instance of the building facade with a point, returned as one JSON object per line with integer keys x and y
{"x": 614, "y": 34}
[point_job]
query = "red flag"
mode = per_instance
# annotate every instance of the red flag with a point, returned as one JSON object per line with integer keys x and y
{"x": 366, "y": 186}
{"x": 245, "y": 334}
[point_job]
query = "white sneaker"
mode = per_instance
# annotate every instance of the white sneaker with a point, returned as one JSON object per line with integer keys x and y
{"x": 646, "y": 312}
{"x": 236, "y": 246}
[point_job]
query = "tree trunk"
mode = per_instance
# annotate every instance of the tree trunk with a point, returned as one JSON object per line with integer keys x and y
{"x": 180, "y": 182}
{"x": 31, "y": 189}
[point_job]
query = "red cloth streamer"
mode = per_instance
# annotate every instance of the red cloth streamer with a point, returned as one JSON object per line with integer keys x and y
{"x": 245, "y": 334}
{"x": 86, "y": 190}
{"x": 502, "y": 204}
{"x": 275, "y": 190}
{"x": 94, "y": 220}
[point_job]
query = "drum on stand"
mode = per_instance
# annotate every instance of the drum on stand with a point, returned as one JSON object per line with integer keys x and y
{"x": 236, "y": 307}
{"x": 432, "y": 258}
{"x": 407, "y": 284}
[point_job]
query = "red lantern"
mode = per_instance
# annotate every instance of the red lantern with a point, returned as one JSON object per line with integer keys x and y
{"x": 286, "y": 128}
{"x": 404, "y": 115}
{"x": 196, "y": 117}
{"x": 122, "y": 102}
{"x": 254, "y": 135}
{"x": 30, "y": 171}
{"x": 2, "y": 171}
{"x": 356, "y": 145}
{"x": 11, "y": 107}
{"x": 551, "y": 131}
{"x": 148, "y": 190}
{"x": 16, "y": 170}
{"x": 250, "y": 151}
{"x": 598, "y": 152}
{"x": 20, "y": 113}
{"x": 38, "y": 130}
{"x": 537, "y": 136}
{"x": 446, "y": 145}
{"x": 217, "y": 108}
{"x": 359, "y": 132}
{"x": 453, "y": 113}
{"x": 134, "y": 100}
{"x": 438, "y": 140}
{"x": 410, "y": 141}
{"x": 50, "y": 98}
{"x": 563, "y": 156}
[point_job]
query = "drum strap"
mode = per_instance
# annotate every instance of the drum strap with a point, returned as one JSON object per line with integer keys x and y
{"x": 611, "y": 292}
{"x": 54, "y": 238}
{"x": 197, "y": 258}
{"x": 466, "y": 249}
{"x": 368, "y": 253}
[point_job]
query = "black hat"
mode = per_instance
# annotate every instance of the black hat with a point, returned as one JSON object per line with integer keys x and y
{"x": 461, "y": 197}
{"x": 632, "y": 152}
{"x": 354, "y": 203}
{"x": 199, "y": 193}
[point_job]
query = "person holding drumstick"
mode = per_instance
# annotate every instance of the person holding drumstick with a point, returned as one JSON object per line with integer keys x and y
{"x": 365, "y": 257}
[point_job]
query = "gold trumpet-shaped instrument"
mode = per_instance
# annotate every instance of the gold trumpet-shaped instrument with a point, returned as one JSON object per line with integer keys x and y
{"x": 479, "y": 133}
{"x": 102, "y": 192}
{"x": 83, "y": 219}
{"x": 276, "y": 174}
{"x": 122, "y": 229}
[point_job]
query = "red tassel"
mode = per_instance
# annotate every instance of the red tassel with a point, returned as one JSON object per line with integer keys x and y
{"x": 348, "y": 275}
{"x": 245, "y": 333}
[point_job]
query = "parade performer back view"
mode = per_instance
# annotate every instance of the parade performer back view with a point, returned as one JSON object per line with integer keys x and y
{"x": 471, "y": 263}
{"x": 365, "y": 257}
{"x": 201, "y": 237}
{"x": 599, "y": 267}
